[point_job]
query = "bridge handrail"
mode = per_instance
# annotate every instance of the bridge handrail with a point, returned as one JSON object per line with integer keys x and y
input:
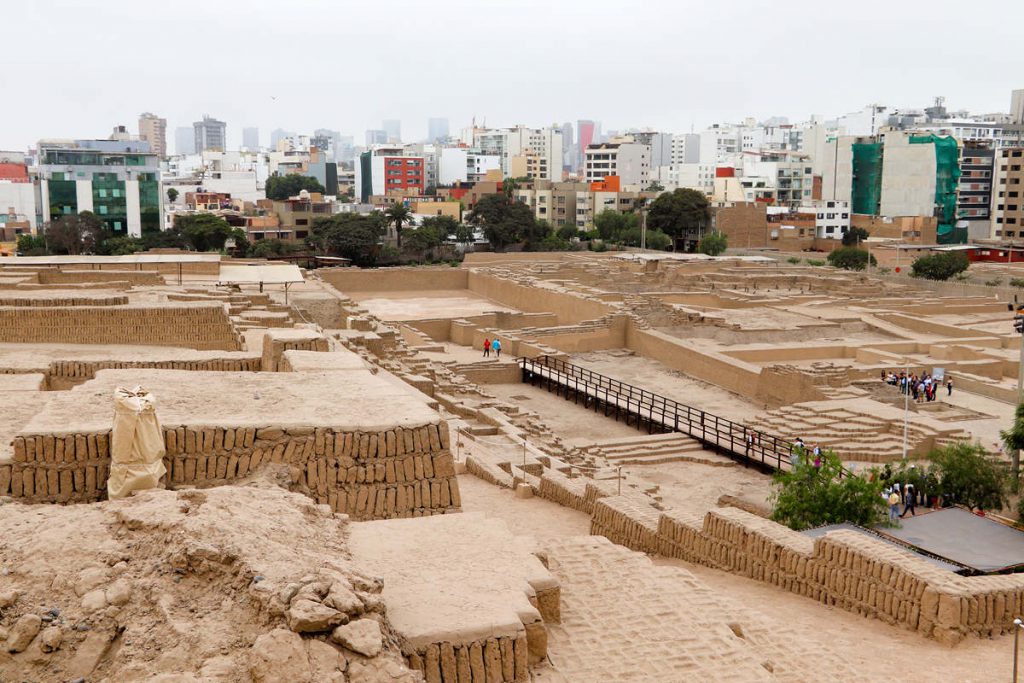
{"x": 749, "y": 443}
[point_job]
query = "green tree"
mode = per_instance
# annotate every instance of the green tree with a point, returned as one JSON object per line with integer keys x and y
{"x": 940, "y": 266}
{"x": 431, "y": 234}
{"x": 351, "y": 235}
{"x": 205, "y": 231}
{"x": 678, "y": 212}
{"x": 430, "y": 191}
{"x": 535, "y": 234}
{"x": 164, "y": 239}
{"x": 568, "y": 232}
{"x": 464, "y": 234}
{"x": 1013, "y": 439}
{"x": 74, "y": 234}
{"x": 31, "y": 245}
{"x": 612, "y": 225}
{"x": 269, "y": 248}
{"x": 398, "y": 215}
{"x": 655, "y": 239}
{"x": 810, "y": 496}
{"x": 280, "y": 187}
{"x": 968, "y": 475}
{"x": 122, "y": 245}
{"x": 172, "y": 195}
{"x": 714, "y": 244}
{"x": 655, "y": 186}
{"x": 850, "y": 258}
{"x": 503, "y": 221}
{"x": 854, "y": 236}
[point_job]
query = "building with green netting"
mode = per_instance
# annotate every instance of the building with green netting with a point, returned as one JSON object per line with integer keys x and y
{"x": 118, "y": 180}
{"x": 898, "y": 174}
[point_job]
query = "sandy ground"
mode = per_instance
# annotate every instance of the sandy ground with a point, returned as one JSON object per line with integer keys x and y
{"x": 696, "y": 488}
{"x": 535, "y": 517}
{"x": 573, "y": 423}
{"x": 654, "y": 376}
{"x": 414, "y": 306}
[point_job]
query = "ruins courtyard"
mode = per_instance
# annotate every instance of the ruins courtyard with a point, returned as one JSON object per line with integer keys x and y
{"x": 355, "y": 493}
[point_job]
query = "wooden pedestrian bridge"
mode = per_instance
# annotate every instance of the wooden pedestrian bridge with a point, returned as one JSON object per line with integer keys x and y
{"x": 655, "y": 413}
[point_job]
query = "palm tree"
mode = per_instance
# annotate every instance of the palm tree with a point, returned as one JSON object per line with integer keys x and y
{"x": 1013, "y": 439}
{"x": 399, "y": 214}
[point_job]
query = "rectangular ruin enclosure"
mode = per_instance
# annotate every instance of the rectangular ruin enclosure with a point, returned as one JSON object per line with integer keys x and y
{"x": 480, "y": 607}
{"x": 367, "y": 446}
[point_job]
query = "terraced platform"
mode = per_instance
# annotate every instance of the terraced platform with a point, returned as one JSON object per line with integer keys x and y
{"x": 654, "y": 449}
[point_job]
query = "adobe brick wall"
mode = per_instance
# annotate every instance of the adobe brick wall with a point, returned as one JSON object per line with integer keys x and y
{"x": 65, "y": 277}
{"x": 201, "y": 327}
{"x": 402, "y": 472}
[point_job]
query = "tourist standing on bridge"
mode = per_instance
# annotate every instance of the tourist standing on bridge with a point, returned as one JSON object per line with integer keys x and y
{"x": 487, "y": 347}
{"x": 894, "y": 506}
{"x": 949, "y": 387}
{"x": 496, "y": 345}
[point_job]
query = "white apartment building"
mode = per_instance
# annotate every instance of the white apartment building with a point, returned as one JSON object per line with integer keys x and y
{"x": 832, "y": 220}
{"x": 628, "y": 160}
{"x": 462, "y": 165}
{"x": 695, "y": 176}
{"x": 721, "y": 144}
{"x": 685, "y": 149}
{"x": 506, "y": 143}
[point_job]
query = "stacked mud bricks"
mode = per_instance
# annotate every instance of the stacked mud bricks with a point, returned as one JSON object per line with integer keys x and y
{"x": 844, "y": 569}
{"x": 62, "y": 301}
{"x": 201, "y": 327}
{"x": 71, "y": 277}
{"x": 495, "y": 659}
{"x": 401, "y": 472}
{"x": 63, "y": 374}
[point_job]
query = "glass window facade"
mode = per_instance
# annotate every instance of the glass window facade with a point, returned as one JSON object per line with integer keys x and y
{"x": 149, "y": 202}
{"x": 63, "y": 197}
{"x": 109, "y": 202}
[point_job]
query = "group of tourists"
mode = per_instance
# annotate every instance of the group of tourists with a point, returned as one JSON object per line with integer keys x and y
{"x": 492, "y": 345}
{"x": 921, "y": 387}
{"x": 799, "y": 450}
{"x": 895, "y": 495}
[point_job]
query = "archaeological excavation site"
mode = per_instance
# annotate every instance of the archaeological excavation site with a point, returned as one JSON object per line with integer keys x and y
{"x": 213, "y": 470}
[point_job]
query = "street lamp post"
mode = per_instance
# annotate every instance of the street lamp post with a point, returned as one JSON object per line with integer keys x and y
{"x": 1016, "y": 639}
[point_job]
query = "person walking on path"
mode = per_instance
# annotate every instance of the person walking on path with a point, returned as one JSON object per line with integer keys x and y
{"x": 949, "y": 387}
{"x": 496, "y": 345}
{"x": 487, "y": 348}
{"x": 894, "y": 506}
{"x": 909, "y": 501}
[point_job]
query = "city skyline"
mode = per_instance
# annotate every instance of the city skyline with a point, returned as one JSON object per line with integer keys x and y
{"x": 694, "y": 77}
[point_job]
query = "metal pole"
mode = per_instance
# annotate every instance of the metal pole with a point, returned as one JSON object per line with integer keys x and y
{"x": 906, "y": 410}
{"x": 524, "y": 454}
{"x": 620, "y": 479}
{"x": 1016, "y": 638}
{"x": 1015, "y": 455}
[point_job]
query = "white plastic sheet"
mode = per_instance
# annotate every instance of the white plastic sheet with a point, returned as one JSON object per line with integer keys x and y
{"x": 136, "y": 443}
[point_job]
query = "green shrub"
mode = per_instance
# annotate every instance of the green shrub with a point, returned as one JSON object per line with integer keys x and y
{"x": 994, "y": 282}
{"x": 884, "y": 271}
{"x": 1017, "y": 282}
{"x": 810, "y": 496}
{"x": 941, "y": 265}
{"x": 794, "y": 260}
{"x": 815, "y": 262}
{"x": 714, "y": 244}
{"x": 968, "y": 475}
{"x": 850, "y": 258}
{"x": 598, "y": 246}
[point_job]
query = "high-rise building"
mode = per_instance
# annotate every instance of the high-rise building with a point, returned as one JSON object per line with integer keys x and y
{"x": 376, "y": 137}
{"x": 277, "y": 135}
{"x": 393, "y": 129}
{"x": 1017, "y": 106}
{"x": 1008, "y": 196}
{"x": 153, "y": 130}
{"x": 251, "y": 138}
{"x": 111, "y": 178}
{"x": 586, "y": 135}
{"x": 437, "y": 129}
{"x": 210, "y": 134}
{"x": 184, "y": 140}
{"x": 630, "y": 161}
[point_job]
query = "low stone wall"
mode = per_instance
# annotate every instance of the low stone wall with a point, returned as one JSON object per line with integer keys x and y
{"x": 403, "y": 472}
{"x": 66, "y": 277}
{"x": 201, "y": 326}
{"x": 494, "y": 660}
{"x": 64, "y": 374}
{"x": 842, "y": 569}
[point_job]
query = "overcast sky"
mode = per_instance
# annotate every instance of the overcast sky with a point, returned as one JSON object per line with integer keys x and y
{"x": 76, "y": 68}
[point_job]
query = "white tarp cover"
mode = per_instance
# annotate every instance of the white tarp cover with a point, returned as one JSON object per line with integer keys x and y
{"x": 136, "y": 444}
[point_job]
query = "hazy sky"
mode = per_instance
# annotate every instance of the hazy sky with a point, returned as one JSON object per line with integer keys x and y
{"x": 76, "y": 68}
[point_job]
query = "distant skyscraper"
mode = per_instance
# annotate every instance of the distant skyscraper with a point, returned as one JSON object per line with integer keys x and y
{"x": 568, "y": 148}
{"x": 346, "y": 148}
{"x": 437, "y": 129}
{"x": 277, "y": 135}
{"x": 251, "y": 138}
{"x": 586, "y": 135}
{"x": 210, "y": 134}
{"x": 184, "y": 140}
{"x": 328, "y": 141}
{"x": 376, "y": 137}
{"x": 393, "y": 129}
{"x": 153, "y": 130}
{"x": 1017, "y": 106}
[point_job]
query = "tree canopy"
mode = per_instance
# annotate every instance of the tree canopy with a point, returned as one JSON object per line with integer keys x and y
{"x": 398, "y": 215}
{"x": 810, "y": 496}
{"x": 432, "y": 233}
{"x": 207, "y": 232}
{"x": 74, "y": 234}
{"x": 940, "y": 266}
{"x": 854, "y": 236}
{"x": 281, "y": 187}
{"x": 850, "y": 258}
{"x": 351, "y": 235}
{"x": 674, "y": 213}
{"x": 968, "y": 475}
{"x": 503, "y": 220}
{"x": 714, "y": 244}
{"x": 612, "y": 225}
